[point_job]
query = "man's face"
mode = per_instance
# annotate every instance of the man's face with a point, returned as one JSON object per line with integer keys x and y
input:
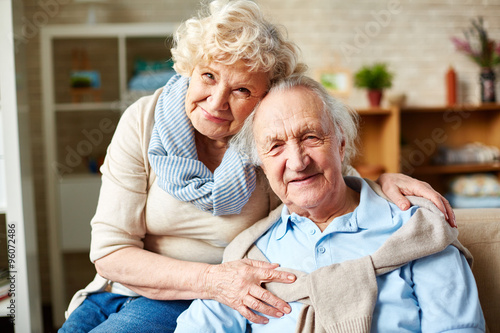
{"x": 298, "y": 148}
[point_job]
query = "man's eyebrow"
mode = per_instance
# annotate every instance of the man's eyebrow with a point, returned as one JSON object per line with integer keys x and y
{"x": 269, "y": 139}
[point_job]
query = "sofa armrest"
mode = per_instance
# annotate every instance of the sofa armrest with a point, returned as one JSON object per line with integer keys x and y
{"x": 479, "y": 231}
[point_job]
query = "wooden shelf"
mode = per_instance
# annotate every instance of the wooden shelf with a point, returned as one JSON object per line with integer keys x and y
{"x": 379, "y": 141}
{"x": 457, "y": 168}
{"x": 425, "y": 129}
{"x": 87, "y": 106}
{"x": 454, "y": 108}
{"x": 375, "y": 111}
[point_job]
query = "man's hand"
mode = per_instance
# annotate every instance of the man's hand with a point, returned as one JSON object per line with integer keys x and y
{"x": 238, "y": 285}
{"x": 395, "y": 186}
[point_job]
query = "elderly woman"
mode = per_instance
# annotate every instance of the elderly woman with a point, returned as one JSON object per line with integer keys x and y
{"x": 174, "y": 195}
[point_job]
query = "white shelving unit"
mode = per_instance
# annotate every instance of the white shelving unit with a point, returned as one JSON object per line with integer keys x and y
{"x": 3, "y": 193}
{"x": 122, "y": 34}
{"x": 18, "y": 203}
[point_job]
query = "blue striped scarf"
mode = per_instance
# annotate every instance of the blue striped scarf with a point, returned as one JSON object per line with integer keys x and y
{"x": 173, "y": 157}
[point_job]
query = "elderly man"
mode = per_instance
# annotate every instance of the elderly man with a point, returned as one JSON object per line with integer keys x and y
{"x": 361, "y": 263}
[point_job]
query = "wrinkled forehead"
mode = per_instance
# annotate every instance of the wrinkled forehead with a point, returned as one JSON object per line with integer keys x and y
{"x": 290, "y": 113}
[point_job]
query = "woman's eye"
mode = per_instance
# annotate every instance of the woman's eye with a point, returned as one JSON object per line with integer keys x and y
{"x": 243, "y": 91}
{"x": 209, "y": 76}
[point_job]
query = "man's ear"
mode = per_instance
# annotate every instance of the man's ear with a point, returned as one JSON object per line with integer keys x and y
{"x": 342, "y": 149}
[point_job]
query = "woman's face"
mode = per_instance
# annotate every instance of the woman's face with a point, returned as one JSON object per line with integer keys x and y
{"x": 221, "y": 97}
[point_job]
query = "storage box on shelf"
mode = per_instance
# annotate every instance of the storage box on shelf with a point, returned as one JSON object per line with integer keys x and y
{"x": 424, "y": 129}
{"x": 79, "y": 122}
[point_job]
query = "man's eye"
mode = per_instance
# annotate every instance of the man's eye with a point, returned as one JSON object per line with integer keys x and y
{"x": 275, "y": 146}
{"x": 312, "y": 139}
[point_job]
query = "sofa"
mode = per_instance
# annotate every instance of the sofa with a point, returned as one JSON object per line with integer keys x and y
{"x": 479, "y": 231}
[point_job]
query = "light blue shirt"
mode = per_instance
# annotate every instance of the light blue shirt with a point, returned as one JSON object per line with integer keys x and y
{"x": 433, "y": 294}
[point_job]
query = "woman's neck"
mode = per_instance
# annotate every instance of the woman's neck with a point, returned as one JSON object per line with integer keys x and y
{"x": 210, "y": 152}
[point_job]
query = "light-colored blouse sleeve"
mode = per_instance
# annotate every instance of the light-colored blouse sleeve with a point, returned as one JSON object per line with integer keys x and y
{"x": 119, "y": 220}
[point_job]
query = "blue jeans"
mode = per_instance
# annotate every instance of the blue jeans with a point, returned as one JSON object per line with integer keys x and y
{"x": 108, "y": 312}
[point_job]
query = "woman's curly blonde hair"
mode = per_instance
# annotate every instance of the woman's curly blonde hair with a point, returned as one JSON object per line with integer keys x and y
{"x": 232, "y": 31}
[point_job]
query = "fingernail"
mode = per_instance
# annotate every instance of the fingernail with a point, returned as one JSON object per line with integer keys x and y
{"x": 265, "y": 321}
{"x": 287, "y": 309}
{"x": 279, "y": 314}
{"x": 291, "y": 277}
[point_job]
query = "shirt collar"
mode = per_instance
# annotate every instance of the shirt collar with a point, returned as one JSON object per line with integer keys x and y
{"x": 282, "y": 227}
{"x": 372, "y": 210}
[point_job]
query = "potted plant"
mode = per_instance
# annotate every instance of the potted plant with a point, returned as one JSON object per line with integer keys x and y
{"x": 375, "y": 78}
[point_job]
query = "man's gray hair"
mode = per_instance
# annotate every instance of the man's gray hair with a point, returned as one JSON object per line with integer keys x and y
{"x": 344, "y": 120}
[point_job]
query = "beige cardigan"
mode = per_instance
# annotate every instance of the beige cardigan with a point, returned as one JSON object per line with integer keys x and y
{"x": 424, "y": 234}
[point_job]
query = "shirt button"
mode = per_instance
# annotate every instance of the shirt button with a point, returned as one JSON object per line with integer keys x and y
{"x": 312, "y": 231}
{"x": 321, "y": 249}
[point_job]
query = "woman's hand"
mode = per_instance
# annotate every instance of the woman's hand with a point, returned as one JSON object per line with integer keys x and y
{"x": 396, "y": 186}
{"x": 238, "y": 285}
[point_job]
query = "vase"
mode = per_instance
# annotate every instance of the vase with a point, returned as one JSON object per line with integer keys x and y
{"x": 487, "y": 80}
{"x": 375, "y": 97}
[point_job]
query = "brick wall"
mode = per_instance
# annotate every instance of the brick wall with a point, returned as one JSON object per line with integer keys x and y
{"x": 413, "y": 37}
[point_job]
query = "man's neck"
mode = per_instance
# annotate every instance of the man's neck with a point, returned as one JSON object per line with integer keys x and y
{"x": 343, "y": 204}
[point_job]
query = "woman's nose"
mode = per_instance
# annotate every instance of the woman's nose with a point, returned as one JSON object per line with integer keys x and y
{"x": 219, "y": 98}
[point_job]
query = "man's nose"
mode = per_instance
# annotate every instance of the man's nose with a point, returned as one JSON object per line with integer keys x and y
{"x": 219, "y": 98}
{"x": 297, "y": 158}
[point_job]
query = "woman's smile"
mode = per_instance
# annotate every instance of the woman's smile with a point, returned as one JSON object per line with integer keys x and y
{"x": 212, "y": 118}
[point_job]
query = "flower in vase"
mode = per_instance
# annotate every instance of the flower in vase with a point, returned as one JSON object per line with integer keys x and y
{"x": 477, "y": 45}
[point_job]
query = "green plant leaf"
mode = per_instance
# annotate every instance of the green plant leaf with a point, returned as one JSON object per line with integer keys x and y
{"x": 374, "y": 77}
